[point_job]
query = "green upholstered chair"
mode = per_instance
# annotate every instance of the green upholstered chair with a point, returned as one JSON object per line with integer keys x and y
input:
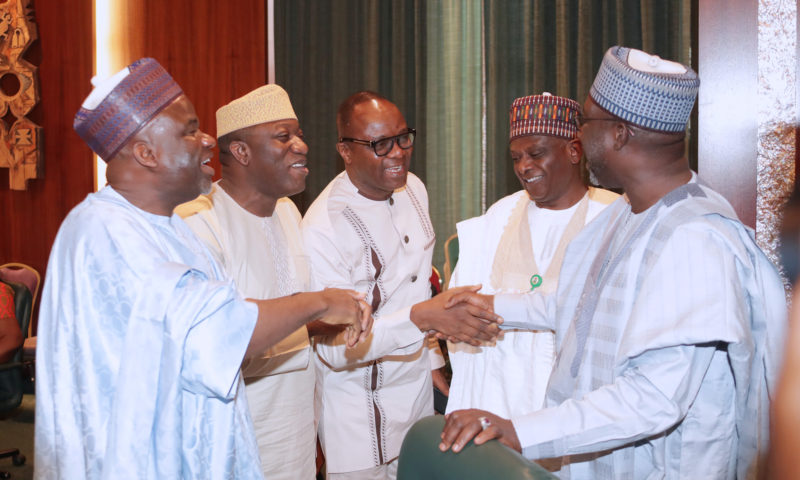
{"x": 421, "y": 459}
{"x": 450, "y": 258}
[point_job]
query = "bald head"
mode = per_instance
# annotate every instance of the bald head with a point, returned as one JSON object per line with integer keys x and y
{"x": 344, "y": 116}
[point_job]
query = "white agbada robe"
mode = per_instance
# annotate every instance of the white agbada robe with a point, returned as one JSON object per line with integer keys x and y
{"x": 509, "y": 377}
{"x": 264, "y": 257}
{"x": 669, "y": 375}
{"x": 372, "y": 394}
{"x": 138, "y": 358}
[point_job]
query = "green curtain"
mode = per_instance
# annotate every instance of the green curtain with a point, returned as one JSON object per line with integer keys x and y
{"x": 453, "y": 140}
{"x": 453, "y": 67}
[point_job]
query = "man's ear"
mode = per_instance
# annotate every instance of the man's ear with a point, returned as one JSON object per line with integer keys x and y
{"x": 575, "y": 151}
{"x": 621, "y": 135}
{"x": 240, "y": 151}
{"x": 344, "y": 152}
{"x": 144, "y": 154}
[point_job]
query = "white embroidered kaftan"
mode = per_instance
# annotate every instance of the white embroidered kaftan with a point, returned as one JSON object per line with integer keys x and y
{"x": 509, "y": 377}
{"x": 264, "y": 257}
{"x": 372, "y": 394}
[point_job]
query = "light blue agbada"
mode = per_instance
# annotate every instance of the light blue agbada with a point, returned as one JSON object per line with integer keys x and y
{"x": 668, "y": 339}
{"x": 139, "y": 346}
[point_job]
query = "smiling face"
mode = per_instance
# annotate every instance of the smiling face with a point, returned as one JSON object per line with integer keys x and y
{"x": 182, "y": 151}
{"x": 375, "y": 177}
{"x": 548, "y": 169}
{"x": 278, "y": 164}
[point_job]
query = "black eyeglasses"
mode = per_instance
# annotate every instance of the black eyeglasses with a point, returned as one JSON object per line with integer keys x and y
{"x": 383, "y": 146}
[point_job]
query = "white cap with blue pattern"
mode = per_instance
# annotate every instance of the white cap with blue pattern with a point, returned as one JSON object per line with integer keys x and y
{"x": 645, "y": 90}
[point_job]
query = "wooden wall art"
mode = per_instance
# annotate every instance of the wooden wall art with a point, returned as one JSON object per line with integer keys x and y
{"x": 21, "y": 143}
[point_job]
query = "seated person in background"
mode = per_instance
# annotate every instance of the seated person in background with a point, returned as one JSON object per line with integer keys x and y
{"x": 141, "y": 334}
{"x": 668, "y": 318}
{"x": 369, "y": 230}
{"x": 518, "y": 245}
{"x": 10, "y": 334}
{"x": 253, "y": 230}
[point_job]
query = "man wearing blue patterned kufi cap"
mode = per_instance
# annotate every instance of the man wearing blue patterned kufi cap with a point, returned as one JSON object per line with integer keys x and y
{"x": 669, "y": 328}
{"x": 141, "y": 335}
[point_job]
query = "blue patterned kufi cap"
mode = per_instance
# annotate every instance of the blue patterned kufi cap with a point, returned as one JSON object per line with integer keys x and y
{"x": 543, "y": 114}
{"x": 645, "y": 90}
{"x": 121, "y": 105}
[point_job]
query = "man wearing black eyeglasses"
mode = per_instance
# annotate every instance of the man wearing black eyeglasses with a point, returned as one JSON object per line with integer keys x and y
{"x": 370, "y": 229}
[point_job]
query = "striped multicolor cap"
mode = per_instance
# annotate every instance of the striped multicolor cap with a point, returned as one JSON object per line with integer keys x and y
{"x": 645, "y": 90}
{"x": 544, "y": 114}
{"x": 121, "y": 105}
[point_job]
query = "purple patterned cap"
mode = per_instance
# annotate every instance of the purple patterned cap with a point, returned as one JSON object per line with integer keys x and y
{"x": 544, "y": 114}
{"x": 122, "y": 104}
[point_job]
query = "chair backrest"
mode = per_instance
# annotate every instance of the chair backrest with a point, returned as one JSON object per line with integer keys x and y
{"x": 421, "y": 459}
{"x": 28, "y": 276}
{"x": 450, "y": 258}
{"x": 11, "y": 372}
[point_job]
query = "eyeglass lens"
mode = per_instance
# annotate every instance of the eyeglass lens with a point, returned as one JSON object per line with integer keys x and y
{"x": 385, "y": 145}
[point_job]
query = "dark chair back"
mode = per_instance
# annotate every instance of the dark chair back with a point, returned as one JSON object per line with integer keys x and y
{"x": 28, "y": 276}
{"x": 421, "y": 459}
{"x": 11, "y": 373}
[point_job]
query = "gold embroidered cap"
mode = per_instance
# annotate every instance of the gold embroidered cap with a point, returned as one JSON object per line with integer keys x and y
{"x": 268, "y": 103}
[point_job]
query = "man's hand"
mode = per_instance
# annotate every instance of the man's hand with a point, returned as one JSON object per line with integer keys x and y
{"x": 462, "y": 425}
{"x": 318, "y": 328}
{"x": 471, "y": 297}
{"x": 347, "y": 307}
{"x": 459, "y": 315}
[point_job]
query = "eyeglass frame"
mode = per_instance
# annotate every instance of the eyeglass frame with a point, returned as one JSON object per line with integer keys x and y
{"x": 581, "y": 121}
{"x": 393, "y": 139}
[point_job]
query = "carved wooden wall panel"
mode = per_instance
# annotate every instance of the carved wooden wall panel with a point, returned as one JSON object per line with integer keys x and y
{"x": 20, "y": 138}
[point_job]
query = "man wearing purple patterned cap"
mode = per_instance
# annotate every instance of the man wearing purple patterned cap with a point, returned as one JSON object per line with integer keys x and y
{"x": 141, "y": 335}
{"x": 518, "y": 244}
{"x": 668, "y": 318}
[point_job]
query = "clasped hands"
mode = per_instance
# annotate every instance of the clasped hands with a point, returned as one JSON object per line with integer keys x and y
{"x": 346, "y": 311}
{"x": 459, "y": 315}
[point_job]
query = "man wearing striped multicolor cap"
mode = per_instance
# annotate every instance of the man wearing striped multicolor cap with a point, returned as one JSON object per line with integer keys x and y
{"x": 668, "y": 318}
{"x": 519, "y": 245}
{"x": 141, "y": 333}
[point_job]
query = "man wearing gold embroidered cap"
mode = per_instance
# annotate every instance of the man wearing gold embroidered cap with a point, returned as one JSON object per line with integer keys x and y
{"x": 252, "y": 229}
{"x": 519, "y": 245}
{"x": 669, "y": 320}
{"x": 141, "y": 333}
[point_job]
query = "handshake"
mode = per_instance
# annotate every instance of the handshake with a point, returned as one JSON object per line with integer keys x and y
{"x": 458, "y": 315}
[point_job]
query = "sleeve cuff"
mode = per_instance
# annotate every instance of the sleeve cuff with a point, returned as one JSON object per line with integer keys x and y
{"x": 538, "y": 434}
{"x": 401, "y": 328}
{"x": 435, "y": 353}
{"x": 513, "y": 308}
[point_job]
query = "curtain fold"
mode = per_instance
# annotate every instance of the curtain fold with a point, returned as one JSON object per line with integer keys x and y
{"x": 453, "y": 112}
